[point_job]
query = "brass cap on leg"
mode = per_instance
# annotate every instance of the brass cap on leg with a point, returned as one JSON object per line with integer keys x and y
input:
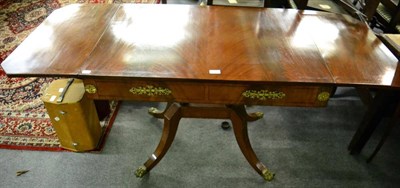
{"x": 141, "y": 171}
{"x": 267, "y": 175}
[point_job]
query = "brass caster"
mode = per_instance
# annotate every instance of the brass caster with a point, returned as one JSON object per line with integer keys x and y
{"x": 259, "y": 115}
{"x": 153, "y": 110}
{"x": 255, "y": 116}
{"x": 267, "y": 175}
{"x": 140, "y": 172}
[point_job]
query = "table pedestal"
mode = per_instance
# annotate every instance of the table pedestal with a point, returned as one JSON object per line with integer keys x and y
{"x": 236, "y": 113}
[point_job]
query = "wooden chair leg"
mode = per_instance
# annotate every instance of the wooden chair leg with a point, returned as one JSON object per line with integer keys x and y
{"x": 333, "y": 92}
{"x": 376, "y": 111}
{"x": 393, "y": 121}
{"x": 365, "y": 95}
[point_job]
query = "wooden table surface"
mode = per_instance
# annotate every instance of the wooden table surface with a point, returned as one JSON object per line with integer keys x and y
{"x": 186, "y": 42}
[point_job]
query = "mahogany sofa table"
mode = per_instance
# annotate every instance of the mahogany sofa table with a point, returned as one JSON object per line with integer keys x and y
{"x": 206, "y": 62}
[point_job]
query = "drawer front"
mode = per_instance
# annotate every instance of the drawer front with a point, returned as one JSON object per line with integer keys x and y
{"x": 146, "y": 91}
{"x": 210, "y": 93}
{"x": 306, "y": 96}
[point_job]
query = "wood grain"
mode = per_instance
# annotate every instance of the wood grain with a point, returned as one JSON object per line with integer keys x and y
{"x": 185, "y": 42}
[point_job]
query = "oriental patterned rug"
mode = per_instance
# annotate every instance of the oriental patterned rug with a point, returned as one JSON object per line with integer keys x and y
{"x": 24, "y": 122}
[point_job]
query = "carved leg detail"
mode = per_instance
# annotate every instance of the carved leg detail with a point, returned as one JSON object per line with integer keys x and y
{"x": 239, "y": 123}
{"x": 157, "y": 113}
{"x": 250, "y": 116}
{"x": 172, "y": 117}
{"x": 254, "y": 116}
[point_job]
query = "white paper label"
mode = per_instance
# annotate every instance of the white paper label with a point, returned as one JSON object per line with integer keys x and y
{"x": 86, "y": 71}
{"x": 52, "y": 98}
{"x": 214, "y": 71}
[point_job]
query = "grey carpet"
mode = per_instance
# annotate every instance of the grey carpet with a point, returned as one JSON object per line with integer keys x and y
{"x": 305, "y": 147}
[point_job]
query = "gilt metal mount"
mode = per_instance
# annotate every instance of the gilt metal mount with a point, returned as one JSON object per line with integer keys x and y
{"x": 263, "y": 94}
{"x": 141, "y": 171}
{"x": 91, "y": 89}
{"x": 323, "y": 96}
{"x": 150, "y": 91}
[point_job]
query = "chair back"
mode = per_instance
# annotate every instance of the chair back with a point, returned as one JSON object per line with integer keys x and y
{"x": 386, "y": 13}
{"x": 298, "y": 4}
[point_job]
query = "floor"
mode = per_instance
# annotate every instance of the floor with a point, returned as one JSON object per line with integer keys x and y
{"x": 304, "y": 147}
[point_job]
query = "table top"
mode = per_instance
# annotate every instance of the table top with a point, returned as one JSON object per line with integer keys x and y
{"x": 191, "y": 42}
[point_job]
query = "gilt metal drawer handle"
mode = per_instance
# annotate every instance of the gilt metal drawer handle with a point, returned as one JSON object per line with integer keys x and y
{"x": 150, "y": 91}
{"x": 263, "y": 94}
{"x": 90, "y": 89}
{"x": 324, "y": 96}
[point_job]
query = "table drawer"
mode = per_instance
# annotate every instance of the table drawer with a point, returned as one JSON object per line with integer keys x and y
{"x": 146, "y": 91}
{"x": 211, "y": 93}
{"x": 270, "y": 95}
